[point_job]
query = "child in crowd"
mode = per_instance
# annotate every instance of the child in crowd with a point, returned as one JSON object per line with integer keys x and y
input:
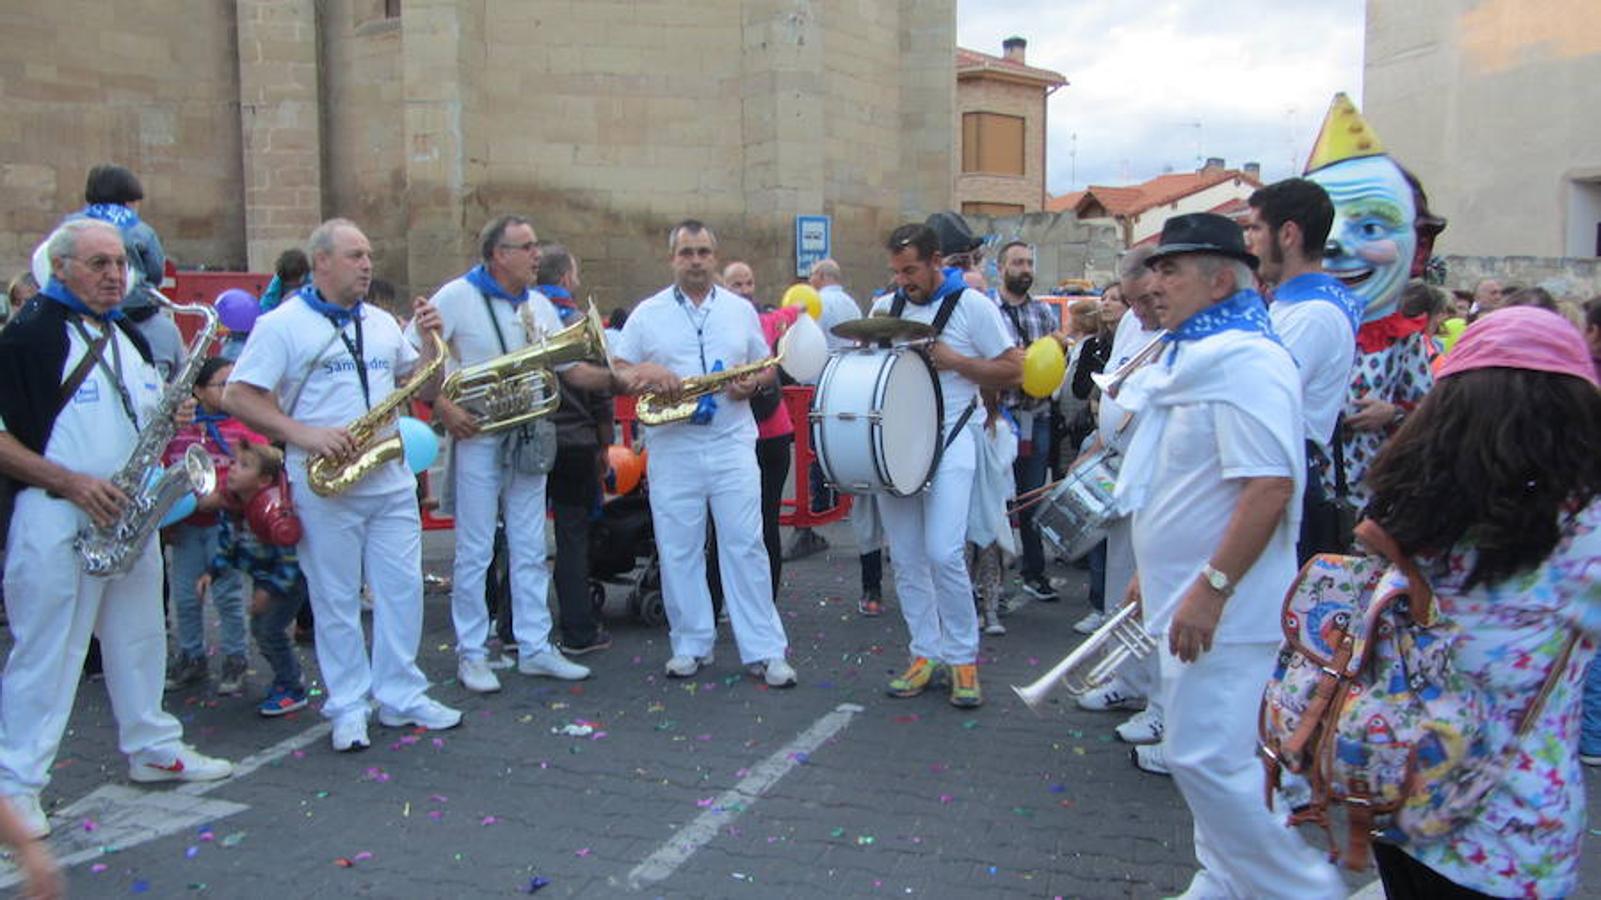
{"x": 989, "y": 533}
{"x": 277, "y": 593}
{"x": 193, "y": 541}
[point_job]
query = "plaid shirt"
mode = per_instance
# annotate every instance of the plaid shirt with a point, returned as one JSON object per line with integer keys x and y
{"x": 270, "y": 567}
{"x": 1028, "y": 322}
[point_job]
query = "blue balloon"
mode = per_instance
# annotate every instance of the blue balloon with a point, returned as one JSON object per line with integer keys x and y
{"x": 181, "y": 510}
{"x": 420, "y": 443}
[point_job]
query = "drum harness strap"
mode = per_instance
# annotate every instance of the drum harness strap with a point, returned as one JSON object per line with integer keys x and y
{"x": 947, "y": 308}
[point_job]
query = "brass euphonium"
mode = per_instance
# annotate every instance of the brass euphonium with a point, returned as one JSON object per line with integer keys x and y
{"x": 654, "y": 409}
{"x": 329, "y": 476}
{"x": 518, "y": 387}
{"x": 1094, "y": 662}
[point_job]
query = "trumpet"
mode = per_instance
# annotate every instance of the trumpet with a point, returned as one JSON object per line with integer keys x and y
{"x": 1109, "y": 382}
{"x": 517, "y": 388}
{"x": 1094, "y": 662}
{"x": 654, "y": 409}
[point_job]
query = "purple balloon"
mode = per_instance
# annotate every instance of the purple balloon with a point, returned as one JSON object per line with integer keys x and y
{"x": 238, "y": 310}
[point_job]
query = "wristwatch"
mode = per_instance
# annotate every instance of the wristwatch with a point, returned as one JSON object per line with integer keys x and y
{"x": 1218, "y": 581}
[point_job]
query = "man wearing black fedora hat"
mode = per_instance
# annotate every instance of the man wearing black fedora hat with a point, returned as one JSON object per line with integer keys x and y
{"x": 1213, "y": 477}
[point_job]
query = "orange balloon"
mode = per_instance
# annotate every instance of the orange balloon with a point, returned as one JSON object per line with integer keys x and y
{"x": 624, "y": 468}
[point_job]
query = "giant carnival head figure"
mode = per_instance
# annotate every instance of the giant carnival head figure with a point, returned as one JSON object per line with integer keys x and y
{"x": 1382, "y": 227}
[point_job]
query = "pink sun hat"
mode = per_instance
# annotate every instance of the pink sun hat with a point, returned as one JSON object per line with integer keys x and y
{"x": 1521, "y": 337}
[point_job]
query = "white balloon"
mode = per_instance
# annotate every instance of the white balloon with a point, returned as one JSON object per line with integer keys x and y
{"x": 805, "y": 350}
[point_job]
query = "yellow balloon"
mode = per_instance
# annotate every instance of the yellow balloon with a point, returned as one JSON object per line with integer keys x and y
{"x": 804, "y": 295}
{"x": 1044, "y": 366}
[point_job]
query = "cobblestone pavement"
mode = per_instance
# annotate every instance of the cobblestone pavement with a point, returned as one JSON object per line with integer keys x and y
{"x": 715, "y": 787}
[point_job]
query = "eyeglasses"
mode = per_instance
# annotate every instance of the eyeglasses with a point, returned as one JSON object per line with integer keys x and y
{"x": 101, "y": 264}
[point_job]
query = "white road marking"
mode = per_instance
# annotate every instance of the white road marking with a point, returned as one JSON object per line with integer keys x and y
{"x": 676, "y": 850}
{"x": 122, "y": 817}
{"x": 125, "y": 816}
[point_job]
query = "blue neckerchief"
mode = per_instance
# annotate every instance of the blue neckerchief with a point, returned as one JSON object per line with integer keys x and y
{"x": 1325, "y": 287}
{"x": 953, "y": 283}
{"x": 479, "y": 277}
{"x": 561, "y": 298}
{"x": 209, "y": 421}
{"x": 707, "y": 407}
{"x": 332, "y": 311}
{"x": 121, "y": 216}
{"x": 60, "y": 293}
{"x": 1242, "y": 311}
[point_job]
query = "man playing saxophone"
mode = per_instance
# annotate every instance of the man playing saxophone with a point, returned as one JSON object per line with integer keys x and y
{"x": 694, "y": 329}
{"x": 319, "y": 362}
{"x": 80, "y": 387}
{"x": 486, "y": 313}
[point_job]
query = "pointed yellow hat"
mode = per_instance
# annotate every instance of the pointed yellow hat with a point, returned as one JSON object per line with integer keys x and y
{"x": 1345, "y": 135}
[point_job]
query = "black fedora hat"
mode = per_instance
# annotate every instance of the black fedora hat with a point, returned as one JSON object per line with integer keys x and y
{"x": 1202, "y": 233}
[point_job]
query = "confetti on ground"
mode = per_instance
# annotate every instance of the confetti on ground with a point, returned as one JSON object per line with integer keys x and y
{"x": 863, "y": 840}
{"x": 232, "y": 840}
{"x": 344, "y": 862}
{"x": 946, "y": 798}
{"x": 970, "y": 724}
{"x": 97, "y": 868}
{"x": 376, "y": 774}
{"x": 487, "y": 821}
{"x": 191, "y": 852}
{"x": 141, "y": 886}
{"x": 838, "y": 832}
{"x": 583, "y": 853}
{"x": 90, "y": 824}
{"x": 363, "y": 856}
{"x": 535, "y": 883}
{"x": 704, "y": 802}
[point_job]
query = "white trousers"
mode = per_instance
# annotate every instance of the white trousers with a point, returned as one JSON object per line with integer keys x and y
{"x": 1139, "y": 674}
{"x": 927, "y": 539}
{"x": 485, "y": 490}
{"x": 682, "y": 484}
{"x": 53, "y": 607}
{"x": 1244, "y": 850}
{"x": 383, "y": 534}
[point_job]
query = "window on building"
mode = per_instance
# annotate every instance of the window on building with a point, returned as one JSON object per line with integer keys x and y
{"x": 992, "y": 209}
{"x": 992, "y": 143}
{"x": 1584, "y": 217}
{"x": 369, "y": 12}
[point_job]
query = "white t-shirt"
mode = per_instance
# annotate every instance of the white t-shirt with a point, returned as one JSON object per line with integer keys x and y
{"x": 470, "y": 333}
{"x": 93, "y": 434}
{"x": 1206, "y": 451}
{"x": 975, "y": 329}
{"x": 1319, "y": 336}
{"x": 1130, "y": 337}
{"x": 670, "y": 330}
{"x": 291, "y": 341}
{"x": 838, "y": 307}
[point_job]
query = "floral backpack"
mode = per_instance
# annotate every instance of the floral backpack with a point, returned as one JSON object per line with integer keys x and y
{"x": 1366, "y": 704}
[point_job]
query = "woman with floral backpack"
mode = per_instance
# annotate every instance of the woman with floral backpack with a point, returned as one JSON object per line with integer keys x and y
{"x": 1491, "y": 487}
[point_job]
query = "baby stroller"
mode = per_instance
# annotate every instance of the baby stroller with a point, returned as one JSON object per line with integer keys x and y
{"x": 617, "y": 541}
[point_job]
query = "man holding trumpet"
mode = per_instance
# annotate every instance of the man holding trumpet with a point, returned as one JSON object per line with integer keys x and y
{"x": 1212, "y": 477}
{"x": 694, "y": 329}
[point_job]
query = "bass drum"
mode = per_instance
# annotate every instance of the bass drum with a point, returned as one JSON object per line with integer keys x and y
{"x": 876, "y": 421}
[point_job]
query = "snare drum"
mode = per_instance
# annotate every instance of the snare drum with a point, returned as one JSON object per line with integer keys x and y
{"x": 1073, "y": 518}
{"x": 876, "y": 421}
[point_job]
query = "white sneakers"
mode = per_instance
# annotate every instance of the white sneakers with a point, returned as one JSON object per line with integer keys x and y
{"x": 30, "y": 814}
{"x": 428, "y": 713}
{"x": 777, "y": 672}
{"x": 187, "y": 764}
{"x": 687, "y": 666}
{"x": 1115, "y": 694}
{"x": 476, "y": 676}
{"x": 350, "y": 734}
{"x": 1144, "y": 727}
{"x": 1089, "y": 623}
{"x": 1151, "y": 758}
{"x": 553, "y": 665}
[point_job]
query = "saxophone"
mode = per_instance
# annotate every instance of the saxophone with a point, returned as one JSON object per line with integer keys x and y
{"x": 329, "y": 476}
{"x": 655, "y": 409}
{"x": 111, "y": 551}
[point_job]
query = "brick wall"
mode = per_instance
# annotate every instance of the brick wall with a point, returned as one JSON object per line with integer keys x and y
{"x": 992, "y": 95}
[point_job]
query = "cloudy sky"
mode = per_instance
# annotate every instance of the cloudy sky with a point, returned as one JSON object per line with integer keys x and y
{"x": 1155, "y": 85}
